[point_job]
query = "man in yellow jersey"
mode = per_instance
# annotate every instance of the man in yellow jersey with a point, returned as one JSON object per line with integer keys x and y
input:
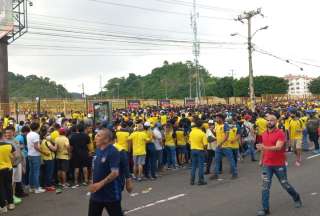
{"x": 170, "y": 147}
{"x": 223, "y": 148}
{"x": 139, "y": 141}
{"x": 122, "y": 136}
{"x": 181, "y": 146}
{"x": 261, "y": 125}
{"x": 234, "y": 139}
{"x": 151, "y": 158}
{"x": 6, "y": 190}
{"x": 198, "y": 142}
{"x": 296, "y": 135}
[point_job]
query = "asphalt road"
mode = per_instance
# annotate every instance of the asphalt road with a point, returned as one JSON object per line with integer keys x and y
{"x": 171, "y": 195}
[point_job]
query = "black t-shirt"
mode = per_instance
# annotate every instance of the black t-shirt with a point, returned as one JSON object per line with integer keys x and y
{"x": 79, "y": 143}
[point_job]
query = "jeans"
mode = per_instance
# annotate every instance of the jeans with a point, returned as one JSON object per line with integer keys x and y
{"x": 218, "y": 160}
{"x": 113, "y": 208}
{"x": 314, "y": 137}
{"x": 281, "y": 173}
{"x": 210, "y": 157}
{"x": 250, "y": 150}
{"x": 159, "y": 159}
{"x": 197, "y": 162}
{"x": 49, "y": 168}
{"x": 235, "y": 153}
{"x": 6, "y": 191}
{"x": 305, "y": 145}
{"x": 151, "y": 159}
{"x": 171, "y": 156}
{"x": 25, "y": 177}
{"x": 34, "y": 172}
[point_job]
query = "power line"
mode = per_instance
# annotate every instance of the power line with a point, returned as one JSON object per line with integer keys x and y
{"x": 156, "y": 10}
{"x": 203, "y": 6}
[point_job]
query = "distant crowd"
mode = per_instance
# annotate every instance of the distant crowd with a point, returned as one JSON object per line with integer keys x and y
{"x": 51, "y": 153}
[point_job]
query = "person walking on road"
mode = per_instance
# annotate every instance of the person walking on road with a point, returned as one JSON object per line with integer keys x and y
{"x": 106, "y": 187}
{"x": 273, "y": 163}
{"x": 198, "y": 142}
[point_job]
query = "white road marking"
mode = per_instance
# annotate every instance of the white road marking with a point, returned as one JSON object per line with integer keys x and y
{"x": 313, "y": 156}
{"x": 155, "y": 203}
{"x": 313, "y": 194}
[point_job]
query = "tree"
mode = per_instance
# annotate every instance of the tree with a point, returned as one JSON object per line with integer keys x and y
{"x": 33, "y": 86}
{"x": 262, "y": 85}
{"x": 314, "y": 86}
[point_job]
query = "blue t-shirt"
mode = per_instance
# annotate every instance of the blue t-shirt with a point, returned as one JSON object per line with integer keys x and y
{"x": 105, "y": 161}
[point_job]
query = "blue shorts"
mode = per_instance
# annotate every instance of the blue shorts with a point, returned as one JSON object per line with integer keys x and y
{"x": 181, "y": 149}
{"x": 139, "y": 160}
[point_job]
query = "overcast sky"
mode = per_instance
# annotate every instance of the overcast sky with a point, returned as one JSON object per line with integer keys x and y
{"x": 71, "y": 61}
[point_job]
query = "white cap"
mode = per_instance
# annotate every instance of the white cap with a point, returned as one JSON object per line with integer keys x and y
{"x": 210, "y": 121}
{"x": 147, "y": 124}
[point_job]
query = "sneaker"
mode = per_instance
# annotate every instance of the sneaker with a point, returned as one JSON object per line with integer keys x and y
{"x": 64, "y": 186}
{"x": 3, "y": 210}
{"x": 192, "y": 182}
{"x": 31, "y": 190}
{"x": 50, "y": 189}
{"x": 84, "y": 184}
{"x": 263, "y": 212}
{"x": 202, "y": 183}
{"x": 233, "y": 177}
{"x": 16, "y": 200}
{"x": 75, "y": 186}
{"x": 316, "y": 152}
{"x": 139, "y": 179}
{"x": 298, "y": 163}
{"x": 39, "y": 190}
{"x": 11, "y": 206}
{"x": 58, "y": 191}
{"x": 214, "y": 177}
{"x": 298, "y": 203}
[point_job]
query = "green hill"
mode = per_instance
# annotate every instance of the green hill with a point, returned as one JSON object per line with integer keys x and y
{"x": 173, "y": 81}
{"x": 34, "y": 86}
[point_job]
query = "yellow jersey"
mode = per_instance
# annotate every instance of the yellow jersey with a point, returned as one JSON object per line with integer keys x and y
{"x": 122, "y": 139}
{"x": 181, "y": 138}
{"x": 198, "y": 139}
{"x": 6, "y": 150}
{"x": 139, "y": 141}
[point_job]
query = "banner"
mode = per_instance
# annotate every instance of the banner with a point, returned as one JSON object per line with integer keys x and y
{"x": 6, "y": 17}
{"x": 190, "y": 102}
{"x": 164, "y": 103}
{"x": 133, "y": 104}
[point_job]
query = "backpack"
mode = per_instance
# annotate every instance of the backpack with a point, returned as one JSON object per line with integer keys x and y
{"x": 244, "y": 131}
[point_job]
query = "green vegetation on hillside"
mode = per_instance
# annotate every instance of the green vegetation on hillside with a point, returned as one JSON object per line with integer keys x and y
{"x": 173, "y": 81}
{"x": 33, "y": 86}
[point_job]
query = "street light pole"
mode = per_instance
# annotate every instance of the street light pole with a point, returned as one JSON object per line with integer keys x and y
{"x": 251, "y": 82}
{"x": 248, "y": 16}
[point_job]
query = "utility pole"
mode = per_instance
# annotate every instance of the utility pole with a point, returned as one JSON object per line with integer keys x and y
{"x": 100, "y": 78}
{"x": 118, "y": 84}
{"x": 4, "y": 95}
{"x": 196, "y": 48}
{"x": 248, "y": 16}
{"x": 84, "y": 98}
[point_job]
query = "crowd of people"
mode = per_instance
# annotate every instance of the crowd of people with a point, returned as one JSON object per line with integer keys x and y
{"x": 49, "y": 154}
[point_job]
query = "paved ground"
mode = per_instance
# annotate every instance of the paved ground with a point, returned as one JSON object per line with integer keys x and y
{"x": 172, "y": 195}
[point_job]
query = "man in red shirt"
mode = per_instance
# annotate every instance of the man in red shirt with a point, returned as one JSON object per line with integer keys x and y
{"x": 273, "y": 162}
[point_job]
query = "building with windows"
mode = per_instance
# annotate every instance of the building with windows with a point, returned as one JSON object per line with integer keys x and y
{"x": 298, "y": 84}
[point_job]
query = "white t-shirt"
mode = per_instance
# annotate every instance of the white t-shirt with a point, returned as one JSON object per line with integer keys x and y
{"x": 33, "y": 138}
{"x": 157, "y": 139}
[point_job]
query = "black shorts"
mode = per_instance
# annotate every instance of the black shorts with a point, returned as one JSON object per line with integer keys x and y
{"x": 62, "y": 165}
{"x": 80, "y": 161}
